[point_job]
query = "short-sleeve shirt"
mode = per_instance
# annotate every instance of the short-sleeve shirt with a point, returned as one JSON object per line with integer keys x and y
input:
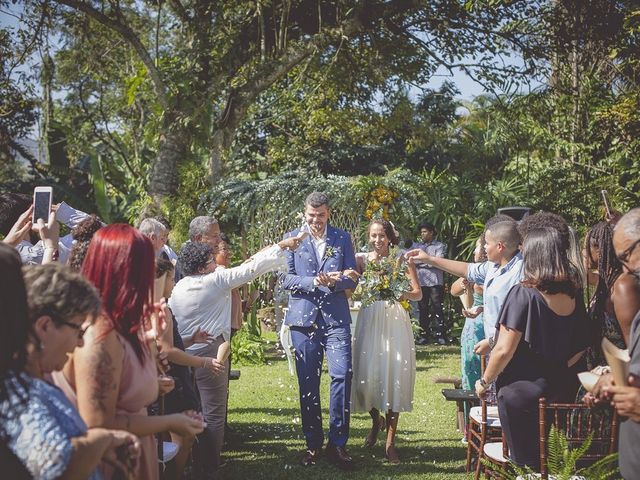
{"x": 496, "y": 281}
{"x": 548, "y": 340}
{"x": 39, "y": 429}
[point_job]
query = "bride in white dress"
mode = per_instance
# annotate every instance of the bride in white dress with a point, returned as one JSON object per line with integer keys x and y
{"x": 384, "y": 357}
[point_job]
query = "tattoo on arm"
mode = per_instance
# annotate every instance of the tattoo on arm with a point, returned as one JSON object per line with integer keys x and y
{"x": 103, "y": 379}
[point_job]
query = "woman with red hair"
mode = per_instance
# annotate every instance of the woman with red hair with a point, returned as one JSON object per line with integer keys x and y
{"x": 113, "y": 377}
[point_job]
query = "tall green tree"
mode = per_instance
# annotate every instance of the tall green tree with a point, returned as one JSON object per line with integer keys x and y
{"x": 200, "y": 66}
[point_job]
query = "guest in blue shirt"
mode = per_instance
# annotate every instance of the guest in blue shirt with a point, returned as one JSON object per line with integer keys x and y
{"x": 497, "y": 275}
{"x": 432, "y": 285}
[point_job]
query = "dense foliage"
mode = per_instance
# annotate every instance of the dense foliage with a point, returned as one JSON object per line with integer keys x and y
{"x": 186, "y": 106}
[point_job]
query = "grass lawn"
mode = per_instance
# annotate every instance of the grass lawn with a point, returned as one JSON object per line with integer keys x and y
{"x": 268, "y": 442}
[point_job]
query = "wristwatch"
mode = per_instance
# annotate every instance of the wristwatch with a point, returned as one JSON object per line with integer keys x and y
{"x": 483, "y": 383}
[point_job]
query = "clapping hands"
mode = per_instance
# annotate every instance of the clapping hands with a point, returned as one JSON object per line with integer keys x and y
{"x": 328, "y": 279}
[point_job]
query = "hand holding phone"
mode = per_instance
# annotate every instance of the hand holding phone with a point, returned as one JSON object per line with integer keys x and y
{"x": 42, "y": 197}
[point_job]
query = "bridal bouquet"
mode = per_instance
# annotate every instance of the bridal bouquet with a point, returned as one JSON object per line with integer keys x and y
{"x": 384, "y": 279}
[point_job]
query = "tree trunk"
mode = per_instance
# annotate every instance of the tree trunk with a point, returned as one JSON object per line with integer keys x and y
{"x": 171, "y": 150}
{"x": 220, "y": 142}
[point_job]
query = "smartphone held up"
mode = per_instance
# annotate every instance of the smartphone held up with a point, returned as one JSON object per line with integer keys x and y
{"x": 42, "y": 200}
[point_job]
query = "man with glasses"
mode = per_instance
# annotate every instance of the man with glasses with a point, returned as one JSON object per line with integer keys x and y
{"x": 626, "y": 399}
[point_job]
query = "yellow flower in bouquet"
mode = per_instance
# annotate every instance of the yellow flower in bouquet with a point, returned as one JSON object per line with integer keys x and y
{"x": 383, "y": 279}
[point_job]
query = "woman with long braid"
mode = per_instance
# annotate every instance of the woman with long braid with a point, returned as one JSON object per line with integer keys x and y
{"x": 614, "y": 303}
{"x": 617, "y": 296}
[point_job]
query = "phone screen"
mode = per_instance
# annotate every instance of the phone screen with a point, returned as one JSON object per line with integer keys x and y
{"x": 41, "y": 206}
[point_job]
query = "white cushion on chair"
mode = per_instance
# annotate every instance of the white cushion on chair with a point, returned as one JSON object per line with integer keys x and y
{"x": 493, "y": 420}
{"x": 169, "y": 451}
{"x": 493, "y": 451}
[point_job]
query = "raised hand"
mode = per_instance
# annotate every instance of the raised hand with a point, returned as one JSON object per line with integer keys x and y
{"x": 291, "y": 243}
{"x": 20, "y": 229}
{"x": 417, "y": 255}
{"x": 157, "y": 321}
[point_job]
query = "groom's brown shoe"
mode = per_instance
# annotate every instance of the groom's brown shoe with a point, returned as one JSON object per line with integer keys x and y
{"x": 339, "y": 457}
{"x": 311, "y": 456}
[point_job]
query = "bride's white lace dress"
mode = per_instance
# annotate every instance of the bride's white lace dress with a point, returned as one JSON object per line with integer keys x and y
{"x": 384, "y": 358}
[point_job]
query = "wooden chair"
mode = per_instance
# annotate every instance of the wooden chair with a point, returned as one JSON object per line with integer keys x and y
{"x": 576, "y": 421}
{"x": 483, "y": 427}
{"x": 496, "y": 455}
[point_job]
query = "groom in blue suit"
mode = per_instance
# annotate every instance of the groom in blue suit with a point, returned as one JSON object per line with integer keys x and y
{"x": 319, "y": 321}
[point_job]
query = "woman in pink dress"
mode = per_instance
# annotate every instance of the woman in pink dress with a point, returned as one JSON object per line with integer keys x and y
{"x": 113, "y": 377}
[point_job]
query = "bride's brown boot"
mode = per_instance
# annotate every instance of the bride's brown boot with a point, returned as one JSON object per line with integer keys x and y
{"x": 377, "y": 423}
{"x": 390, "y": 452}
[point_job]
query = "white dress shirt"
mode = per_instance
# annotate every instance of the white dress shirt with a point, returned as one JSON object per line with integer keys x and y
{"x": 320, "y": 245}
{"x": 205, "y": 300}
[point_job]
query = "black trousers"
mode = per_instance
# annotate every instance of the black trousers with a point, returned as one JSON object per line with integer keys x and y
{"x": 431, "y": 313}
{"x": 518, "y": 410}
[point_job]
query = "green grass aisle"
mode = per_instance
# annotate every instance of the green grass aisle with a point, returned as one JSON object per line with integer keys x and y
{"x": 268, "y": 443}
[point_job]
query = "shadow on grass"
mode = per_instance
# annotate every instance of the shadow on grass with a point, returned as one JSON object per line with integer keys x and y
{"x": 281, "y": 461}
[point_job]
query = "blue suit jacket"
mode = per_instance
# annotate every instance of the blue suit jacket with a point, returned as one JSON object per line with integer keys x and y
{"x": 306, "y": 300}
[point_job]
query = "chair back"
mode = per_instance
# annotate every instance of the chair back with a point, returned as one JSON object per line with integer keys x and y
{"x": 575, "y": 421}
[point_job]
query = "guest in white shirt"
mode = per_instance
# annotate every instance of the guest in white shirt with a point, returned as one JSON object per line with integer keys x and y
{"x": 202, "y": 300}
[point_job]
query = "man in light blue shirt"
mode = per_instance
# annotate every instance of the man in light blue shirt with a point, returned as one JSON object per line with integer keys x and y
{"x": 497, "y": 275}
{"x": 497, "y": 280}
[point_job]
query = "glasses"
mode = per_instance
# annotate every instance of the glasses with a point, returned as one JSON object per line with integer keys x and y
{"x": 624, "y": 256}
{"x": 210, "y": 261}
{"x": 81, "y": 331}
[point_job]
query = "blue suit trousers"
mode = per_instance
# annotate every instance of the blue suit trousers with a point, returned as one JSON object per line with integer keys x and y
{"x": 311, "y": 343}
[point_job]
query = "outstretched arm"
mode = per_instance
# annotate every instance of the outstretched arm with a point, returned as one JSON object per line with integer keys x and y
{"x": 291, "y": 280}
{"x": 454, "y": 267}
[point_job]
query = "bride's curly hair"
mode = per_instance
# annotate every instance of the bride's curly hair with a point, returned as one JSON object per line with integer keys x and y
{"x": 388, "y": 228}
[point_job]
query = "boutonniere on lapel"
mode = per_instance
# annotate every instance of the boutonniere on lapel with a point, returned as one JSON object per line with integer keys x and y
{"x": 330, "y": 252}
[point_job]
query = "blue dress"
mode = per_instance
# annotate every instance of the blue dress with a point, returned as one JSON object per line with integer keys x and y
{"x": 472, "y": 333}
{"x": 38, "y": 423}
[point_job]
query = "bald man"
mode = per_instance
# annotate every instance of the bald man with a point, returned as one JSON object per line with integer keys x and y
{"x": 626, "y": 399}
